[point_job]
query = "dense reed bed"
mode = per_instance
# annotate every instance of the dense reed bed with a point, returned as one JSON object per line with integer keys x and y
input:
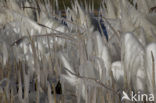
{"x": 80, "y": 55}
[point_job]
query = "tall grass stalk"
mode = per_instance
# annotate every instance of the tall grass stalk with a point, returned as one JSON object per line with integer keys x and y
{"x": 40, "y": 48}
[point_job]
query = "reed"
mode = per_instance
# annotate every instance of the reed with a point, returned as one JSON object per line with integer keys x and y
{"x": 89, "y": 53}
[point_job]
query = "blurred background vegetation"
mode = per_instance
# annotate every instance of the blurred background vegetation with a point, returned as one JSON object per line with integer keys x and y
{"x": 67, "y": 3}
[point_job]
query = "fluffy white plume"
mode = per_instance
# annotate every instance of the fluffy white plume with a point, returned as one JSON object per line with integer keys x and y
{"x": 69, "y": 77}
{"x": 87, "y": 64}
{"x": 151, "y": 66}
{"x": 5, "y": 54}
{"x": 133, "y": 61}
{"x": 118, "y": 72}
{"x": 104, "y": 55}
